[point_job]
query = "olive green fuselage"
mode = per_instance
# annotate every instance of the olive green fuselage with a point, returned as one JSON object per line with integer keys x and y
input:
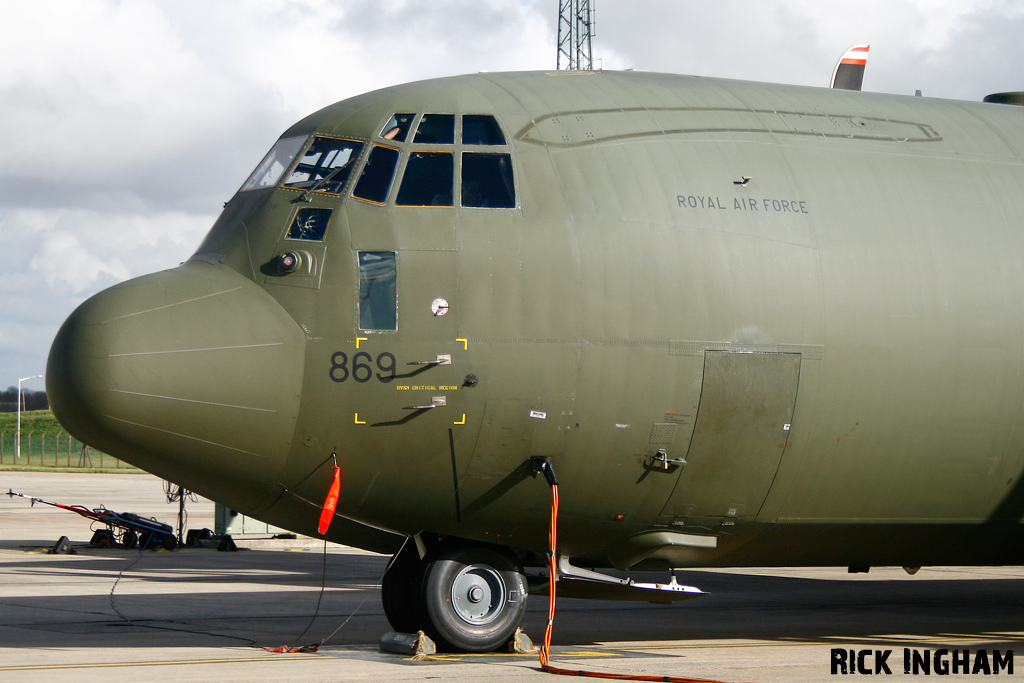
{"x": 748, "y": 324}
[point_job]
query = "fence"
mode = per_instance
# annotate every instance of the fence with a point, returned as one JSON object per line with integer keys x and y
{"x": 54, "y": 449}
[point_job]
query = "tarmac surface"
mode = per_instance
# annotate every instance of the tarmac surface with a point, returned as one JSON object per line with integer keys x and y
{"x": 202, "y": 615}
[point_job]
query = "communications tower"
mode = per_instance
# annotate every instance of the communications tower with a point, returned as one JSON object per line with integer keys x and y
{"x": 575, "y": 32}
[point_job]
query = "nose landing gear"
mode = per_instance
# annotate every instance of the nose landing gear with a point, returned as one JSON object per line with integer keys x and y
{"x": 466, "y": 596}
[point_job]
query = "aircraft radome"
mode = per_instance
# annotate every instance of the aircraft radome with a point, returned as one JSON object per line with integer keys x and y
{"x": 747, "y": 325}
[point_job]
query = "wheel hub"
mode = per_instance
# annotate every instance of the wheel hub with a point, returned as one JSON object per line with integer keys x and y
{"x": 478, "y": 594}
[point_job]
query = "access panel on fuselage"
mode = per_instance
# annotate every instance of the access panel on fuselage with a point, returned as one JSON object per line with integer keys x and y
{"x": 741, "y": 431}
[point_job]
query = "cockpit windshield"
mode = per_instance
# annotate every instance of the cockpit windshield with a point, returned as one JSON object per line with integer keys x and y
{"x": 325, "y": 165}
{"x": 436, "y": 129}
{"x": 273, "y": 165}
{"x": 397, "y": 127}
{"x": 475, "y": 172}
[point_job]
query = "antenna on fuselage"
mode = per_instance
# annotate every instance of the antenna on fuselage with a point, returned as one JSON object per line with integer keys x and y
{"x": 575, "y": 35}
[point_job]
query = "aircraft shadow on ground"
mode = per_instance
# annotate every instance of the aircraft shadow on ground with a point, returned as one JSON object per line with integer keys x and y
{"x": 773, "y": 608}
{"x": 152, "y": 605}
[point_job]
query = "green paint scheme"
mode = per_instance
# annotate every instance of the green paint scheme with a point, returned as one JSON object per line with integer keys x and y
{"x": 833, "y": 346}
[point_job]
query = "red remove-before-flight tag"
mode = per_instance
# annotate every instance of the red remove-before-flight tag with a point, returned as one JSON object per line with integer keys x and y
{"x": 331, "y": 502}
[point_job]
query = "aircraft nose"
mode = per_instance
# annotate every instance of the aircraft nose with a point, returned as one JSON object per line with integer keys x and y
{"x": 193, "y": 374}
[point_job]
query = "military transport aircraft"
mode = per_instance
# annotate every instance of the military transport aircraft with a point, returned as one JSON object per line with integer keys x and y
{"x": 747, "y": 324}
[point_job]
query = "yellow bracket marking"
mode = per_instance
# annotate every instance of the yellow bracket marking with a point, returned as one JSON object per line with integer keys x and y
{"x": 463, "y": 420}
{"x": 358, "y": 421}
{"x": 361, "y": 339}
{"x": 465, "y": 343}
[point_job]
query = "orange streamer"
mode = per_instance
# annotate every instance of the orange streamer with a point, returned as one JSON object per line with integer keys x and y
{"x": 545, "y": 649}
{"x": 331, "y": 503}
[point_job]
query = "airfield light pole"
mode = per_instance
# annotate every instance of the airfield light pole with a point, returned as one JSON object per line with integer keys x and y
{"x": 575, "y": 34}
{"x": 17, "y": 430}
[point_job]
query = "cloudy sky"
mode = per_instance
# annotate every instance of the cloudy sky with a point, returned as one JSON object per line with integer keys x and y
{"x": 125, "y": 126}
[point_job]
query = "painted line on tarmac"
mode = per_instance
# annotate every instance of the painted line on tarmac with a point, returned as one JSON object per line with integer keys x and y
{"x": 458, "y": 656}
{"x": 106, "y": 665}
{"x": 950, "y": 638}
{"x": 561, "y": 652}
{"x": 277, "y": 658}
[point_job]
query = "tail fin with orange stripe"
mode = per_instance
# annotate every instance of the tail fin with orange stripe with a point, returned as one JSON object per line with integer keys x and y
{"x": 849, "y": 71}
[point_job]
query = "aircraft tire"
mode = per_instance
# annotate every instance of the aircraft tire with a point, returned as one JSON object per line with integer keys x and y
{"x": 474, "y": 597}
{"x": 401, "y": 590}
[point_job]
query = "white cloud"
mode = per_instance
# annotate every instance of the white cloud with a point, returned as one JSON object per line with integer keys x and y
{"x": 64, "y": 261}
{"x": 109, "y": 103}
{"x": 78, "y": 251}
{"x": 57, "y": 258}
{"x": 935, "y": 45}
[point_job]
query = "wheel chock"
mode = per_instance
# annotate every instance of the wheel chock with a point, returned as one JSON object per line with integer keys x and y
{"x": 193, "y": 537}
{"x": 417, "y": 645}
{"x": 62, "y": 547}
{"x": 227, "y": 544}
{"x": 522, "y": 644}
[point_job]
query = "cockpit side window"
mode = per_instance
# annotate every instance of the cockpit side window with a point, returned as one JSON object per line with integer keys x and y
{"x": 480, "y": 129}
{"x": 325, "y": 165}
{"x": 487, "y": 181}
{"x": 378, "y": 303}
{"x": 309, "y": 224}
{"x": 428, "y": 180}
{"x": 375, "y": 180}
{"x": 397, "y": 127}
{"x": 436, "y": 129}
{"x": 274, "y": 163}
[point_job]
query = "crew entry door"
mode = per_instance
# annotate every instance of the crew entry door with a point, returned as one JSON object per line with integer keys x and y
{"x": 406, "y": 327}
{"x": 740, "y": 435}
{"x": 428, "y": 328}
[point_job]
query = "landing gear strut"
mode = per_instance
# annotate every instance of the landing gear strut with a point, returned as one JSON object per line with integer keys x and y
{"x": 465, "y": 596}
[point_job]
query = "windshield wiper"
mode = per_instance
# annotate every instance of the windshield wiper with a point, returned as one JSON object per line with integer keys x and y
{"x": 308, "y": 194}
